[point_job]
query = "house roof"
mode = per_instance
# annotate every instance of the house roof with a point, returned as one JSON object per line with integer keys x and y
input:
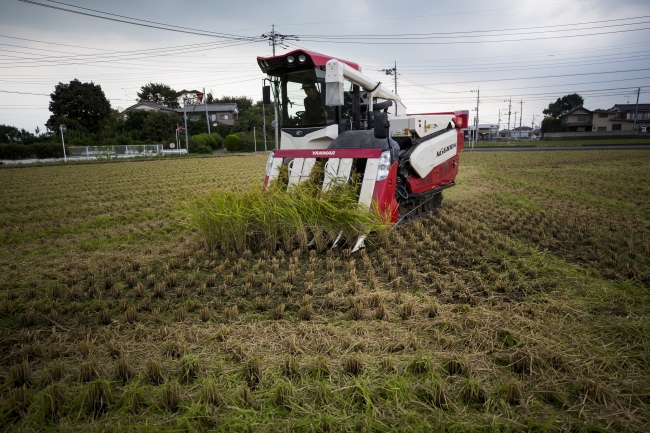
{"x": 580, "y": 107}
{"x": 630, "y": 107}
{"x": 148, "y": 103}
{"x": 229, "y": 106}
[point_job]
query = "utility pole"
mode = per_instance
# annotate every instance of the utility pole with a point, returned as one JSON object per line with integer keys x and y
{"x": 277, "y": 126}
{"x": 187, "y": 147}
{"x": 264, "y": 117}
{"x": 207, "y": 116}
{"x": 636, "y": 109}
{"x": 478, "y": 98}
{"x": 499, "y": 122}
{"x": 509, "y": 112}
{"x": 395, "y": 69}
{"x": 392, "y": 71}
{"x": 514, "y": 124}
{"x": 533, "y": 124}
{"x": 521, "y": 115}
{"x": 63, "y": 128}
{"x": 278, "y": 39}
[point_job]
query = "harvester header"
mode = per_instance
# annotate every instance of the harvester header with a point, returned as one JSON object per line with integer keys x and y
{"x": 332, "y": 115}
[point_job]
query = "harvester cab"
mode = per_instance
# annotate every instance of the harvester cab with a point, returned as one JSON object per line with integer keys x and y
{"x": 332, "y": 116}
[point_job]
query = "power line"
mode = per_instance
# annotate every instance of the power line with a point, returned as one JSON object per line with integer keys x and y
{"x": 116, "y": 56}
{"x": 141, "y": 23}
{"x": 23, "y": 93}
{"x": 541, "y": 77}
{"x": 464, "y": 12}
{"x": 473, "y": 33}
{"x": 389, "y": 42}
{"x": 505, "y": 66}
{"x": 103, "y": 59}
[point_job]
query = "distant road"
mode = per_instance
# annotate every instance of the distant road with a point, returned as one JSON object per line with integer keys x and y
{"x": 544, "y": 148}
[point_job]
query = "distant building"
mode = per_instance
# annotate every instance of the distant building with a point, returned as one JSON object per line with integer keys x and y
{"x": 578, "y": 119}
{"x": 223, "y": 114}
{"x": 524, "y": 132}
{"x": 146, "y": 106}
{"x": 618, "y": 118}
{"x": 623, "y": 115}
{"x": 485, "y": 131}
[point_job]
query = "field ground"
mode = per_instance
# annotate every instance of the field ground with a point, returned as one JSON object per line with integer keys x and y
{"x": 538, "y": 143}
{"x": 522, "y": 305}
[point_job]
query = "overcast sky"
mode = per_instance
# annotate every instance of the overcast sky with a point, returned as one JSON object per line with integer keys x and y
{"x": 529, "y": 50}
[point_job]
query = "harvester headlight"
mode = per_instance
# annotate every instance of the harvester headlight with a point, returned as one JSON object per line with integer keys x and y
{"x": 269, "y": 164}
{"x": 302, "y": 58}
{"x": 384, "y": 165}
{"x": 291, "y": 60}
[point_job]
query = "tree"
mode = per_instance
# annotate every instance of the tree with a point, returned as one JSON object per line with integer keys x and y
{"x": 159, "y": 126}
{"x": 79, "y": 105}
{"x": 249, "y": 119}
{"x": 551, "y": 124}
{"x": 563, "y": 104}
{"x": 8, "y": 133}
{"x": 159, "y": 93}
{"x": 135, "y": 120}
{"x": 243, "y": 102}
{"x": 196, "y": 123}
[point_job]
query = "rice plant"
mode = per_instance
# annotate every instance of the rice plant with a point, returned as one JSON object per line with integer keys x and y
{"x": 254, "y": 219}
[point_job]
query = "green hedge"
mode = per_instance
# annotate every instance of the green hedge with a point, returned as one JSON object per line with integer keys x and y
{"x": 26, "y": 151}
{"x": 199, "y": 144}
{"x": 203, "y": 142}
{"x": 218, "y": 140}
{"x": 232, "y": 142}
{"x": 247, "y": 142}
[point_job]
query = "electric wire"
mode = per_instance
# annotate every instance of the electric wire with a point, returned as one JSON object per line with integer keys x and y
{"x": 144, "y": 23}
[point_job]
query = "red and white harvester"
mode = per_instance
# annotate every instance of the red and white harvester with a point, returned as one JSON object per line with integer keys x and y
{"x": 329, "y": 111}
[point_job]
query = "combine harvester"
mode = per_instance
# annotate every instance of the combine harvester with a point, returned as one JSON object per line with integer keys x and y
{"x": 329, "y": 112}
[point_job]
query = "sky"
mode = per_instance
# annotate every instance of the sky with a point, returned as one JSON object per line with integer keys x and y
{"x": 529, "y": 52}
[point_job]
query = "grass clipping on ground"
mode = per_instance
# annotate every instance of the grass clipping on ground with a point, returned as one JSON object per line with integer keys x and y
{"x": 255, "y": 219}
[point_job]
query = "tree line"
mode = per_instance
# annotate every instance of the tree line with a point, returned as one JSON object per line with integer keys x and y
{"x": 92, "y": 121}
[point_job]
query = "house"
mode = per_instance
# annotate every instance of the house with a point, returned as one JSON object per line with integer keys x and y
{"x": 145, "y": 105}
{"x": 522, "y": 132}
{"x": 223, "y": 114}
{"x": 621, "y": 117}
{"x": 578, "y": 119}
{"x": 485, "y": 131}
{"x": 618, "y": 118}
{"x": 526, "y": 132}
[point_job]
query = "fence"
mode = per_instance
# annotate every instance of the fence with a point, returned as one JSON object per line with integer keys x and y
{"x": 125, "y": 151}
{"x": 593, "y": 135}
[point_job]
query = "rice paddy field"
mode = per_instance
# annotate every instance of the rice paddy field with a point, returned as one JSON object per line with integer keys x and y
{"x": 522, "y": 305}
